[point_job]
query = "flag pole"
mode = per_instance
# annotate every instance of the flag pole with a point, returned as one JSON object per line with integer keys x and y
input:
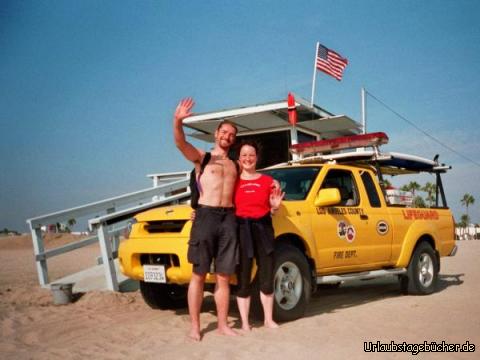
{"x": 314, "y": 73}
{"x": 364, "y": 110}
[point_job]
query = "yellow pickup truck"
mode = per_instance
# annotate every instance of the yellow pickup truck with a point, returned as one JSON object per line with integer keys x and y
{"x": 335, "y": 224}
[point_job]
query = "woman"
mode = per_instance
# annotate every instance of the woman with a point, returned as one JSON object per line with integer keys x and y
{"x": 256, "y": 197}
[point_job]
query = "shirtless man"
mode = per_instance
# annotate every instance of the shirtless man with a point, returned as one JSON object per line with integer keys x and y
{"x": 213, "y": 235}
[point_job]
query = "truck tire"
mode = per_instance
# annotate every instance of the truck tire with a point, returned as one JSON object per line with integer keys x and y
{"x": 422, "y": 272}
{"x": 292, "y": 284}
{"x": 164, "y": 296}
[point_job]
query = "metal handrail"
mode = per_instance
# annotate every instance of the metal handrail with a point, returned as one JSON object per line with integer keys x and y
{"x": 148, "y": 198}
{"x": 106, "y": 204}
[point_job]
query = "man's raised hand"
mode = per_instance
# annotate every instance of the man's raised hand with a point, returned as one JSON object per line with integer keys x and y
{"x": 184, "y": 108}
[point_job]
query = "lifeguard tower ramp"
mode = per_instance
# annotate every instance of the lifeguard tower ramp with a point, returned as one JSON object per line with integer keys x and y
{"x": 266, "y": 123}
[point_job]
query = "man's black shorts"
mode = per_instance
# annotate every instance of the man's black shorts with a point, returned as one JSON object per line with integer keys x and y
{"x": 213, "y": 237}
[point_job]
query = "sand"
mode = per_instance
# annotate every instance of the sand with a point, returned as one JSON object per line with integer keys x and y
{"x": 107, "y": 325}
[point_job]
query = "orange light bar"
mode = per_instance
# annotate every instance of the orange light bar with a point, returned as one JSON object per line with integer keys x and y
{"x": 346, "y": 142}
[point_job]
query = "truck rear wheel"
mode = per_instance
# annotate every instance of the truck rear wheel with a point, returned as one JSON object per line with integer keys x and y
{"x": 292, "y": 284}
{"x": 164, "y": 296}
{"x": 422, "y": 272}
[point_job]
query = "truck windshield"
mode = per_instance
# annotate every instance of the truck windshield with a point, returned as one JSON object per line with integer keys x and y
{"x": 296, "y": 182}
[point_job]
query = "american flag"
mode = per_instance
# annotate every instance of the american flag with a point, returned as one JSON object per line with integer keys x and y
{"x": 330, "y": 62}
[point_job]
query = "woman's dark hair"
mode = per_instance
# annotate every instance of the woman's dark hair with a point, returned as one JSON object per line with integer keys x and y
{"x": 248, "y": 142}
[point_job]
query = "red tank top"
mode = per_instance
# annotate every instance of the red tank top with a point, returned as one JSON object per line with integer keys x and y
{"x": 252, "y": 197}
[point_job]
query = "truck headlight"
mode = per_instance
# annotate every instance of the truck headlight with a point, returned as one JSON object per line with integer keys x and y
{"x": 129, "y": 227}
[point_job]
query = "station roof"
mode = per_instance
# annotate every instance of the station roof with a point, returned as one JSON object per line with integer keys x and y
{"x": 274, "y": 116}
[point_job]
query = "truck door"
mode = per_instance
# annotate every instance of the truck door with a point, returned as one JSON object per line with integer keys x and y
{"x": 376, "y": 221}
{"x": 356, "y": 232}
{"x": 336, "y": 227}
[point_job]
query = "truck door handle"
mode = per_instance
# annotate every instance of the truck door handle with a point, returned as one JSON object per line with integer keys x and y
{"x": 363, "y": 217}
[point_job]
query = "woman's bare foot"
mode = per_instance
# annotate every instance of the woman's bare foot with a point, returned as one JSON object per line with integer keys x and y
{"x": 271, "y": 324}
{"x": 194, "y": 335}
{"x": 246, "y": 328}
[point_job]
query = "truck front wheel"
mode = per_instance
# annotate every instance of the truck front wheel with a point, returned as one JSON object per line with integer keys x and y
{"x": 292, "y": 284}
{"x": 164, "y": 296}
{"x": 422, "y": 272}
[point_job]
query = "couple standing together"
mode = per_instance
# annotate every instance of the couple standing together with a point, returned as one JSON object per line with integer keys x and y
{"x": 230, "y": 196}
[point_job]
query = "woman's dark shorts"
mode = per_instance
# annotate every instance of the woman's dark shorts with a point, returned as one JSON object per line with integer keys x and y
{"x": 262, "y": 242}
{"x": 213, "y": 239}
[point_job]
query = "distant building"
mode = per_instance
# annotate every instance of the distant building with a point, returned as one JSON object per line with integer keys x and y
{"x": 469, "y": 232}
{"x": 51, "y": 228}
{"x": 399, "y": 197}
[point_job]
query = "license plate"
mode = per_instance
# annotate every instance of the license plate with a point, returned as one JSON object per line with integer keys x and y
{"x": 154, "y": 273}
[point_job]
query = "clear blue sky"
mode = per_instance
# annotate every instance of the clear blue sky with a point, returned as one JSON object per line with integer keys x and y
{"x": 87, "y": 88}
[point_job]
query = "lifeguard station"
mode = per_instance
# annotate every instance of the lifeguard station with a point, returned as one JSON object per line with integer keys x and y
{"x": 269, "y": 125}
{"x": 266, "y": 123}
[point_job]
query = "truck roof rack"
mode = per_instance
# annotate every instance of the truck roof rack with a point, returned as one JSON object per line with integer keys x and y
{"x": 391, "y": 163}
{"x": 373, "y": 140}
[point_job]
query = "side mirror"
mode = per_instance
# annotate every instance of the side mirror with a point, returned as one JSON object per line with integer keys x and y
{"x": 327, "y": 197}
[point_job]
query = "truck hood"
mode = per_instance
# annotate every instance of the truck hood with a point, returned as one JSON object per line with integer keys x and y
{"x": 173, "y": 212}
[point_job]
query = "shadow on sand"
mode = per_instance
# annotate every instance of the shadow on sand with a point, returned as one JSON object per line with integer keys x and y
{"x": 366, "y": 291}
{"x": 327, "y": 300}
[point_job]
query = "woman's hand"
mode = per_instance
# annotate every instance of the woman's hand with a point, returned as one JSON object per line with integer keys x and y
{"x": 276, "y": 196}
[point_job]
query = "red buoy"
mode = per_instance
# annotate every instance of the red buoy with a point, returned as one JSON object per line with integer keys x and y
{"x": 292, "y": 109}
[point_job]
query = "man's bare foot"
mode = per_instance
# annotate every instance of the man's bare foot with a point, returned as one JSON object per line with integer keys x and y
{"x": 194, "y": 335}
{"x": 226, "y": 330}
{"x": 271, "y": 325}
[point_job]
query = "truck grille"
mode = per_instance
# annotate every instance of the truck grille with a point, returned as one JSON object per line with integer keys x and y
{"x": 172, "y": 226}
{"x": 160, "y": 259}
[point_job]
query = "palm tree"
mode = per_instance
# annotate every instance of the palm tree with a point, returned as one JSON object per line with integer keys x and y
{"x": 411, "y": 186}
{"x": 414, "y": 186}
{"x": 418, "y": 202}
{"x": 404, "y": 188}
{"x": 467, "y": 200}
{"x": 71, "y": 222}
{"x": 464, "y": 221}
{"x": 430, "y": 189}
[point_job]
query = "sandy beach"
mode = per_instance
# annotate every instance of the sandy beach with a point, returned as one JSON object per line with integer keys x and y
{"x": 107, "y": 325}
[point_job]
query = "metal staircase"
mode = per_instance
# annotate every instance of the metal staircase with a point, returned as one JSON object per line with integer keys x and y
{"x": 107, "y": 219}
